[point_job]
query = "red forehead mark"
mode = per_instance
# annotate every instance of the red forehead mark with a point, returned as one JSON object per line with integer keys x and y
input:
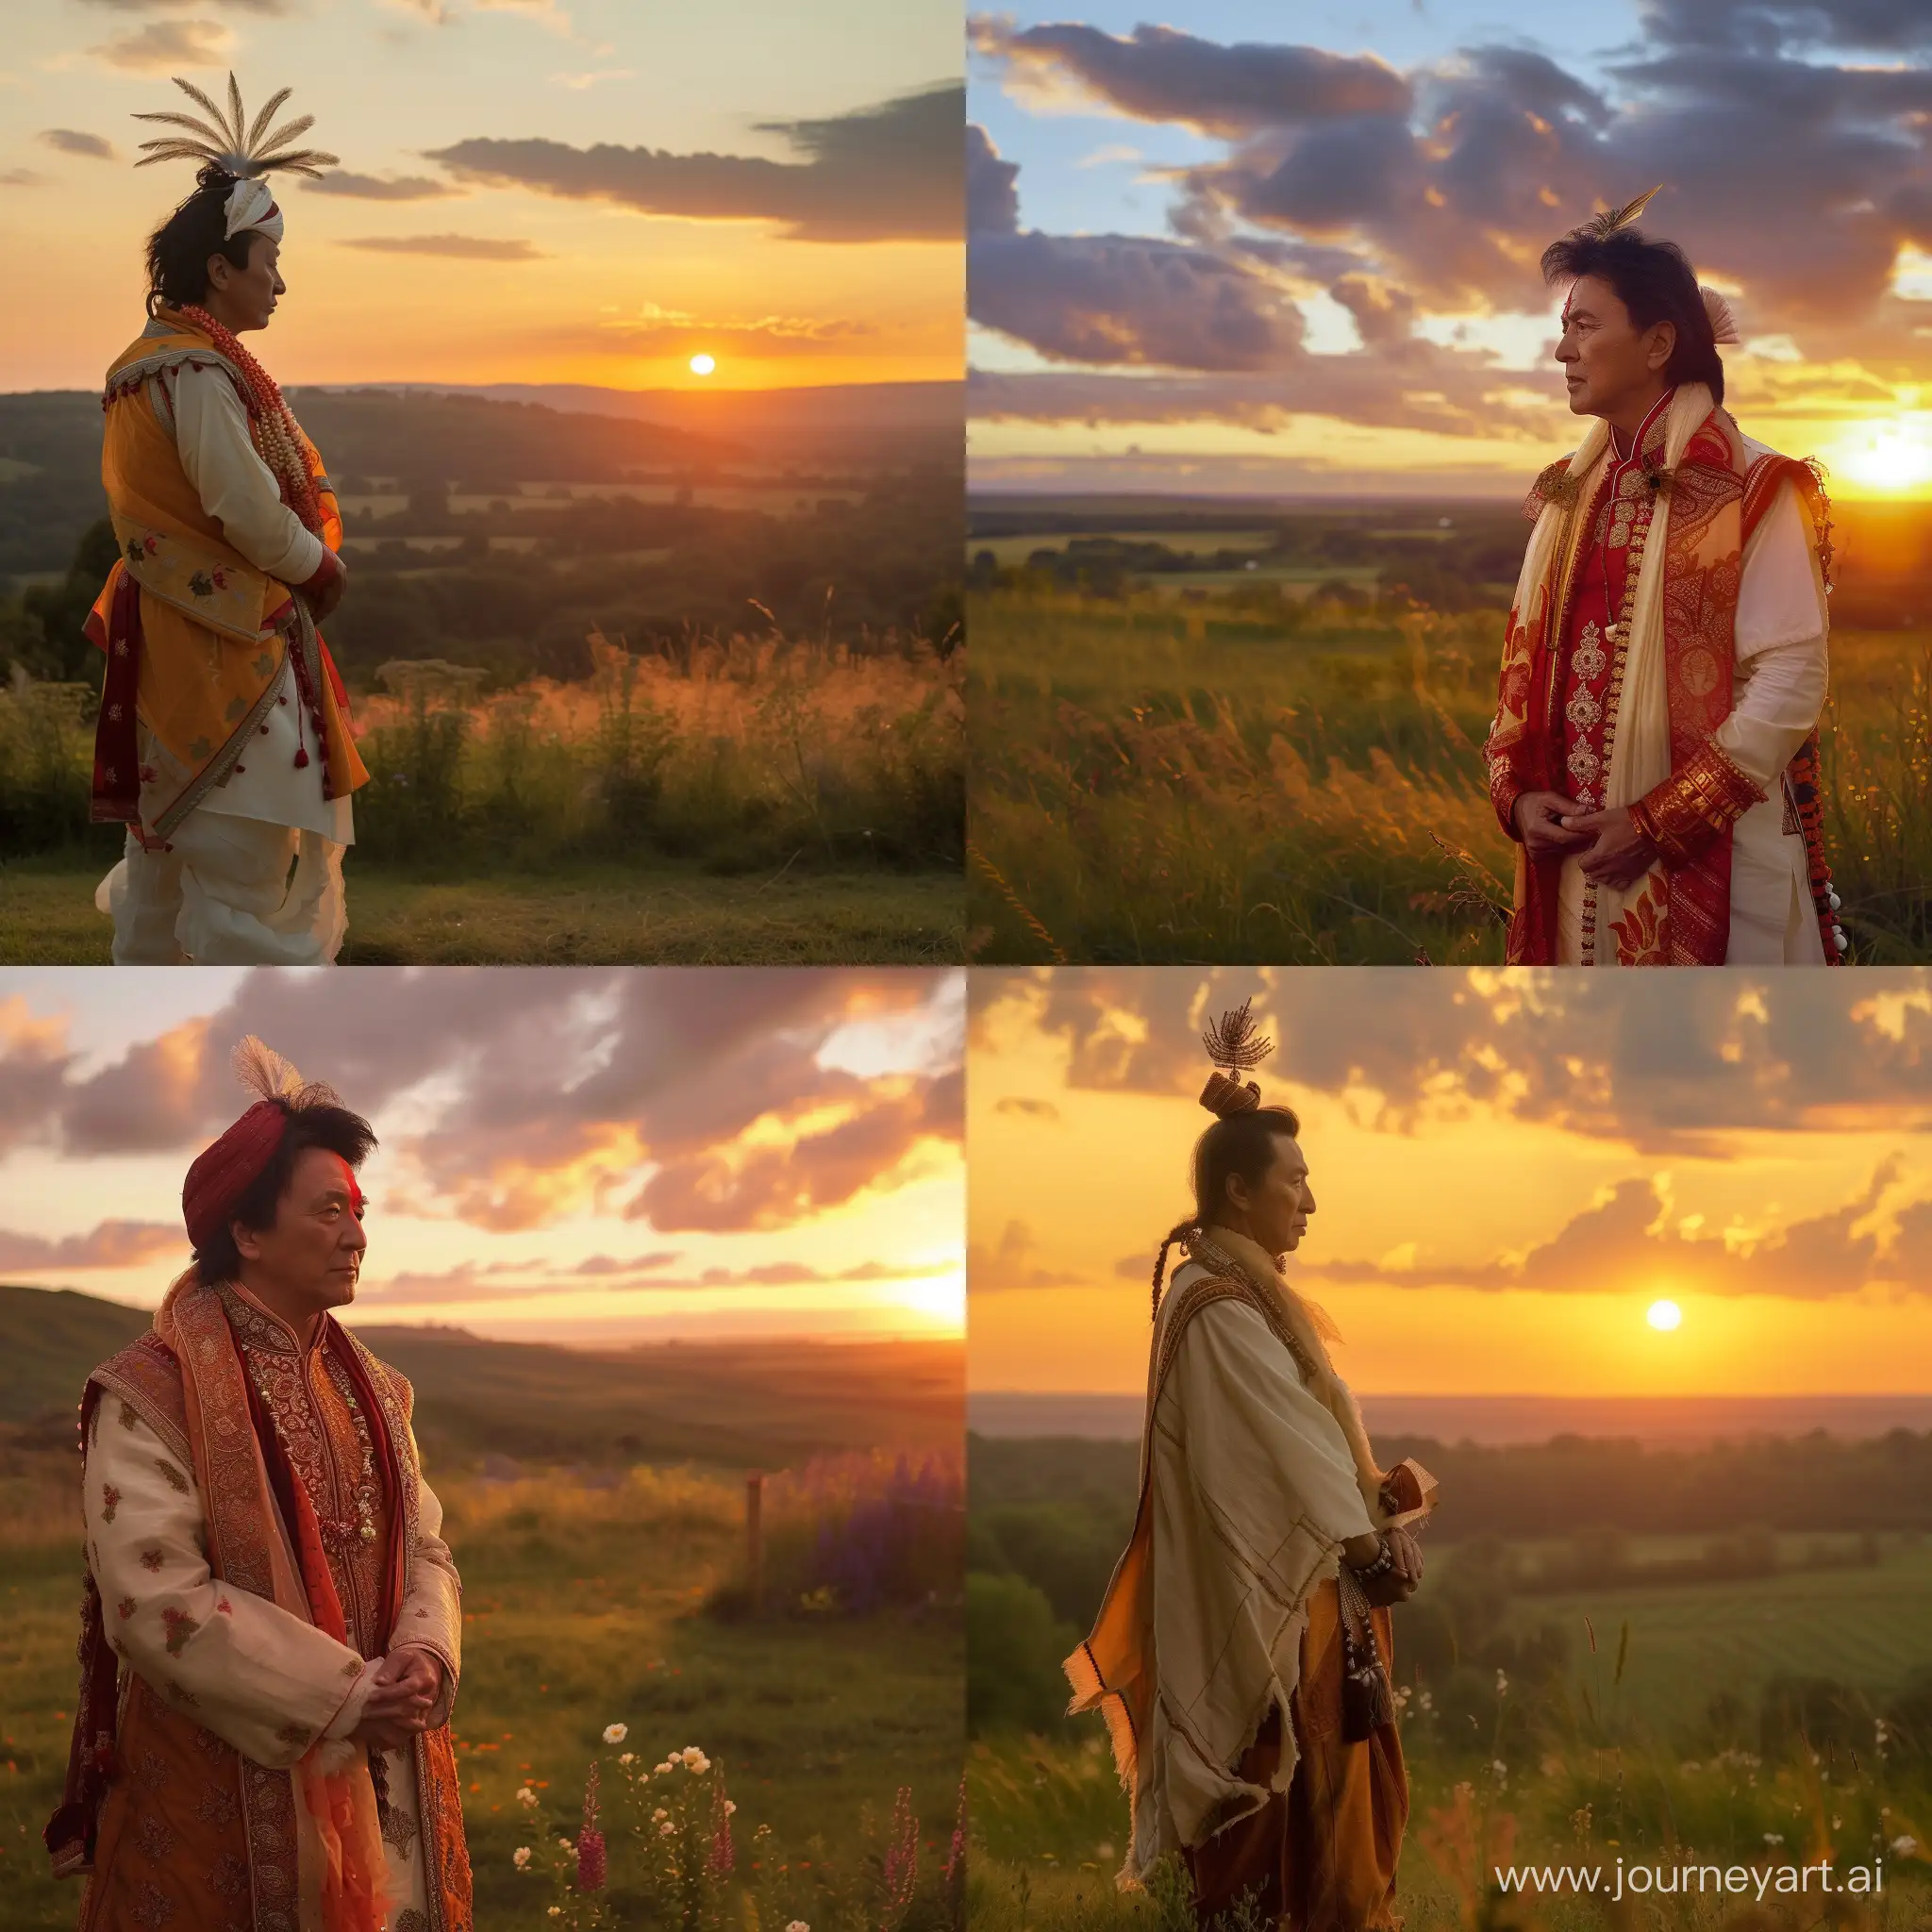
{"x": 353, "y": 1186}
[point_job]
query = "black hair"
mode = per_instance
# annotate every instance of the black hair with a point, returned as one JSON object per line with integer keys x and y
{"x": 1238, "y": 1143}
{"x": 332, "y": 1127}
{"x": 1656, "y": 282}
{"x": 179, "y": 250}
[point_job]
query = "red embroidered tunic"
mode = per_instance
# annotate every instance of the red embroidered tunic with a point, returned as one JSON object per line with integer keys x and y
{"x": 1595, "y": 635}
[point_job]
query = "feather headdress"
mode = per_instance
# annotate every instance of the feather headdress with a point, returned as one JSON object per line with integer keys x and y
{"x": 1606, "y": 220}
{"x": 243, "y": 147}
{"x": 268, "y": 1077}
{"x": 1723, "y": 329}
{"x": 1235, "y": 1045}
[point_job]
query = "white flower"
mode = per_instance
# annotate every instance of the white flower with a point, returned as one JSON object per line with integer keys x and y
{"x": 1773, "y": 1838}
{"x": 1427, "y": 1700}
{"x": 1501, "y": 1769}
{"x": 1502, "y": 1684}
{"x": 1904, "y": 1846}
{"x": 666, "y": 1830}
{"x": 628, "y": 1757}
{"x": 568, "y": 1845}
{"x": 659, "y": 1770}
{"x": 798, "y": 1926}
{"x": 521, "y": 1858}
{"x": 730, "y": 1805}
{"x": 1838, "y": 1824}
{"x": 616, "y": 1733}
{"x": 693, "y": 1759}
{"x": 525, "y": 1796}
{"x": 659, "y": 1815}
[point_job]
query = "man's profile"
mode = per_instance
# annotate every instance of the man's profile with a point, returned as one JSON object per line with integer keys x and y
{"x": 1241, "y": 1655}
{"x": 271, "y": 1632}
{"x": 1654, "y": 750}
{"x": 223, "y": 743}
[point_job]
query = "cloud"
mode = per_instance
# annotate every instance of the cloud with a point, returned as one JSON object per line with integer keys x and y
{"x": 890, "y": 172}
{"x": 992, "y": 199}
{"x": 1157, "y": 74}
{"x": 532, "y": 1096}
{"x": 453, "y": 247}
{"x": 163, "y": 46}
{"x": 263, "y": 6}
{"x": 1794, "y": 176}
{"x": 1012, "y": 1263}
{"x": 24, "y": 177}
{"x": 1022, "y": 1104}
{"x": 377, "y": 187}
{"x": 72, "y": 140}
{"x": 110, "y": 1245}
{"x": 1685, "y": 1066}
{"x": 471, "y": 1282}
{"x": 670, "y": 331}
{"x": 1630, "y": 1237}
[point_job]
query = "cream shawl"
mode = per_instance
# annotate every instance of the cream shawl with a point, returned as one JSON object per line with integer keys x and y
{"x": 1253, "y": 1475}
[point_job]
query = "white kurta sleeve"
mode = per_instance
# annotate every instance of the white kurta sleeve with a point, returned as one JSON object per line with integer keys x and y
{"x": 234, "y": 485}
{"x": 258, "y": 1677}
{"x": 1782, "y": 662}
{"x": 1265, "y": 1432}
{"x": 431, "y": 1614}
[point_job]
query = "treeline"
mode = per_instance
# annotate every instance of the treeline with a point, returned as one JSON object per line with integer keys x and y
{"x": 1815, "y": 1482}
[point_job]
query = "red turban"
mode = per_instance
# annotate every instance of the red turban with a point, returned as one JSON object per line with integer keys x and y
{"x": 222, "y": 1172}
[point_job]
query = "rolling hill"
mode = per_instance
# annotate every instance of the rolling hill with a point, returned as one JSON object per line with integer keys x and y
{"x": 744, "y": 1405}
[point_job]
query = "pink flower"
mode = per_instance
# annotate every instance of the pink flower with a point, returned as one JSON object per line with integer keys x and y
{"x": 593, "y": 1861}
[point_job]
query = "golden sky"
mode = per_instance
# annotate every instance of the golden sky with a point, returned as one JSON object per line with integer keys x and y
{"x": 1256, "y": 250}
{"x": 530, "y": 191}
{"x": 564, "y": 1154}
{"x": 1509, "y": 1170}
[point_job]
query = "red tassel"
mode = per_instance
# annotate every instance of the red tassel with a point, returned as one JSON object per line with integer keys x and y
{"x": 301, "y": 756}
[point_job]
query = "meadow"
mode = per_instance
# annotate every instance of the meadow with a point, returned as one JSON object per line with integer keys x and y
{"x": 1283, "y": 763}
{"x": 754, "y": 798}
{"x": 614, "y": 1597}
{"x": 1768, "y": 1719}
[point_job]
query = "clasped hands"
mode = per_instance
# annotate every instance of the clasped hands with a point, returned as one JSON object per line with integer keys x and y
{"x": 1613, "y": 851}
{"x": 407, "y": 1686}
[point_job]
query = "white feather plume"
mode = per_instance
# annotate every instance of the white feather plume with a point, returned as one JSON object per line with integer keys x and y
{"x": 1723, "y": 325}
{"x": 266, "y": 1074}
{"x": 229, "y": 140}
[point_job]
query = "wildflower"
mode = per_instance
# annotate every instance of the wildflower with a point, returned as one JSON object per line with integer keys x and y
{"x": 566, "y": 1844}
{"x": 798, "y": 1926}
{"x": 1838, "y": 1824}
{"x": 1773, "y": 1838}
{"x": 616, "y": 1733}
{"x": 1904, "y": 1846}
{"x": 1502, "y": 1684}
{"x": 667, "y": 1829}
{"x": 1501, "y": 1770}
{"x": 521, "y": 1858}
{"x": 659, "y": 1816}
{"x": 902, "y": 1854}
{"x": 628, "y": 1757}
{"x": 724, "y": 1854}
{"x": 659, "y": 1770}
{"x": 593, "y": 1859}
{"x": 1427, "y": 1700}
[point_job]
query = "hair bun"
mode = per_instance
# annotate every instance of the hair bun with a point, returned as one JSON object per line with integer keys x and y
{"x": 1225, "y": 1096}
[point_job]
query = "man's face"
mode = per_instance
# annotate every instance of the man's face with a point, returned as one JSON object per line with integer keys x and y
{"x": 1278, "y": 1206}
{"x": 312, "y": 1255}
{"x": 1607, "y": 363}
{"x": 248, "y": 295}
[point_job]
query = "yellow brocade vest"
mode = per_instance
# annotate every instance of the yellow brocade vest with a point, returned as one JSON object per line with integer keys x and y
{"x": 213, "y": 629}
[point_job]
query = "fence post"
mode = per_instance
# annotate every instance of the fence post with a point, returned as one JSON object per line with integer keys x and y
{"x": 755, "y": 1541}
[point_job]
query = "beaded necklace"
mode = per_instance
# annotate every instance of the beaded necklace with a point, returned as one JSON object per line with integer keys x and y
{"x": 340, "y": 1533}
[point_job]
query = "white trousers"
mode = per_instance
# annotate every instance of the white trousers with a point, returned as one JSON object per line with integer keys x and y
{"x": 223, "y": 895}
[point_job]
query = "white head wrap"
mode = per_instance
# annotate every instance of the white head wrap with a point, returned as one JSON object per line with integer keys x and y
{"x": 252, "y": 207}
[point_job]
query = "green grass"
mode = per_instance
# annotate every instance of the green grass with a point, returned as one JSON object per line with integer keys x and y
{"x": 576, "y": 915}
{"x": 580, "y": 1610}
{"x": 1241, "y": 780}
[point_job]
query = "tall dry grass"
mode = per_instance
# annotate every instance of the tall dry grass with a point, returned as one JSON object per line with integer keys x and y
{"x": 1156, "y": 784}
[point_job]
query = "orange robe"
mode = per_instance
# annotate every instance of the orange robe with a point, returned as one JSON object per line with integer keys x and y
{"x": 193, "y": 633}
{"x": 1322, "y": 1856}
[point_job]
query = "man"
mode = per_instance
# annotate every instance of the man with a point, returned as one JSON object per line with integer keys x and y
{"x": 223, "y": 737}
{"x": 272, "y": 1628}
{"x": 1654, "y": 752}
{"x": 1241, "y": 1655}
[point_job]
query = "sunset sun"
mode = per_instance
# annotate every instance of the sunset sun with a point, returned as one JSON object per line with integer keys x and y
{"x": 1895, "y": 455}
{"x": 703, "y": 365}
{"x": 1664, "y": 1316}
